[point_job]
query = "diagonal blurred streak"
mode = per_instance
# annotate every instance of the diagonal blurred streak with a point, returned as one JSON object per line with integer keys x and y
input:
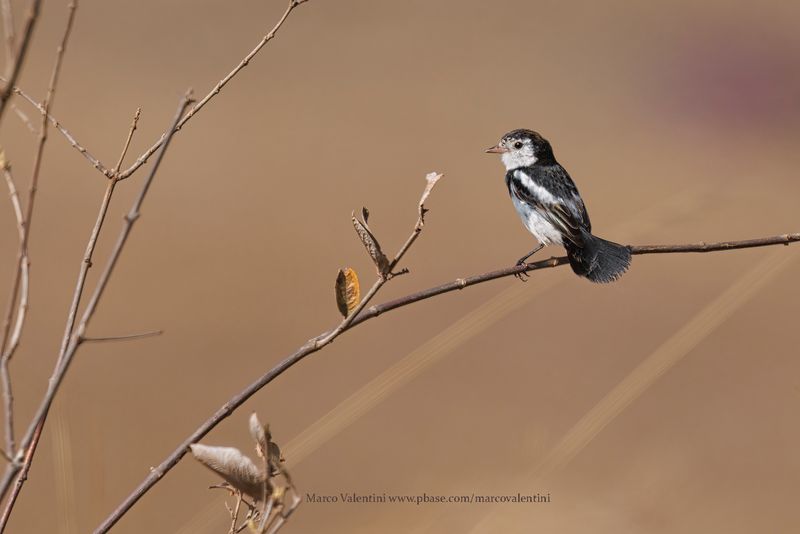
{"x": 469, "y": 326}
{"x": 644, "y": 375}
{"x": 64, "y": 474}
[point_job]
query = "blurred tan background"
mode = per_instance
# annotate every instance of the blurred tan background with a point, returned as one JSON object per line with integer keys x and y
{"x": 664, "y": 403}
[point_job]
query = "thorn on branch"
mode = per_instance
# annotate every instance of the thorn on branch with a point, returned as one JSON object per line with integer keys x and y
{"x": 401, "y": 272}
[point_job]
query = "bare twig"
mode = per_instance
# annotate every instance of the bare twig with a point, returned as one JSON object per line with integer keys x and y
{"x": 21, "y": 274}
{"x": 22, "y": 467}
{"x": 125, "y": 337}
{"x": 8, "y": 29}
{"x": 8, "y": 347}
{"x": 235, "y": 512}
{"x": 217, "y": 88}
{"x": 45, "y": 108}
{"x": 86, "y": 264}
{"x": 14, "y": 67}
{"x": 108, "y": 173}
{"x": 30, "y": 441}
{"x": 364, "y": 314}
{"x": 96, "y": 163}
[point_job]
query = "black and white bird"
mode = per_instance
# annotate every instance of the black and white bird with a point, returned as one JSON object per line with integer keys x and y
{"x": 552, "y": 209}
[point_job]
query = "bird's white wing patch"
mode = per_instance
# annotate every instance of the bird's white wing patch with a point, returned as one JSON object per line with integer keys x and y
{"x": 539, "y": 192}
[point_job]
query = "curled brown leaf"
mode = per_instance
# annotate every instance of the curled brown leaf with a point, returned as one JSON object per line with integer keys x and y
{"x": 371, "y": 242}
{"x": 348, "y": 292}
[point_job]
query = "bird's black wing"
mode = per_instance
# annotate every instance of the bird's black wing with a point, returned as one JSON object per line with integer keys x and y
{"x": 566, "y": 211}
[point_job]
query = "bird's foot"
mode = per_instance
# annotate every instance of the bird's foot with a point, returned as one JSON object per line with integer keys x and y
{"x": 522, "y": 275}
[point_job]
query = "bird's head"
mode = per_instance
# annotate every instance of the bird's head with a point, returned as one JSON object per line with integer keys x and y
{"x": 522, "y": 148}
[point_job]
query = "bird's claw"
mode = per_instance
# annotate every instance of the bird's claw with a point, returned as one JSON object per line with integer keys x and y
{"x": 522, "y": 275}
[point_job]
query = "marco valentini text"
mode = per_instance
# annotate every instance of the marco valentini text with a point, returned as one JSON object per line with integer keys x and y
{"x": 425, "y": 498}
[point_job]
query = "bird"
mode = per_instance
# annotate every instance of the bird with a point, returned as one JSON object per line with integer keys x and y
{"x": 551, "y": 208}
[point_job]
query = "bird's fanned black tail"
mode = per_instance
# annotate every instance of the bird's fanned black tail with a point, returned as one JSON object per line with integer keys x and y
{"x": 598, "y": 260}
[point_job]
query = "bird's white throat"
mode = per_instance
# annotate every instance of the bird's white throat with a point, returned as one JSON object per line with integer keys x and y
{"x": 518, "y": 158}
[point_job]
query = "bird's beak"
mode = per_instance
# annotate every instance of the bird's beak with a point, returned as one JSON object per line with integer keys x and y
{"x": 497, "y": 149}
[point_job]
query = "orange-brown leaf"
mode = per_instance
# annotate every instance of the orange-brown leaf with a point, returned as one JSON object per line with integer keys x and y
{"x": 348, "y": 292}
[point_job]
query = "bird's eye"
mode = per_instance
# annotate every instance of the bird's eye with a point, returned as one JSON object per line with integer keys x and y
{"x": 518, "y": 145}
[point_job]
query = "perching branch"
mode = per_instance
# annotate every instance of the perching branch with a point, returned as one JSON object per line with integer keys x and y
{"x": 461, "y": 283}
{"x": 363, "y": 314}
{"x": 20, "y": 467}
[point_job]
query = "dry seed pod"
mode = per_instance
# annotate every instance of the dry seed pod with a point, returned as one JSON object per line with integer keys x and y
{"x": 237, "y": 469}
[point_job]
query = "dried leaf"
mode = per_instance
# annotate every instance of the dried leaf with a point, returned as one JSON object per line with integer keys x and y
{"x": 257, "y": 429}
{"x": 348, "y": 293}
{"x": 259, "y": 434}
{"x": 275, "y": 457}
{"x": 371, "y": 243}
{"x": 237, "y": 469}
{"x": 432, "y": 178}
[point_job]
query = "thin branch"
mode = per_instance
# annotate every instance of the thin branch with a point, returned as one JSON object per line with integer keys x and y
{"x": 217, "y": 88}
{"x": 314, "y": 345}
{"x": 235, "y": 512}
{"x": 21, "y": 274}
{"x": 96, "y": 163}
{"x": 45, "y": 108}
{"x": 7, "y": 353}
{"x": 23, "y": 467}
{"x": 86, "y": 264}
{"x": 108, "y": 173}
{"x": 8, "y": 30}
{"x": 7, "y": 347}
{"x": 15, "y": 66}
{"x": 461, "y": 283}
{"x": 31, "y": 439}
{"x": 125, "y": 337}
{"x": 128, "y": 140}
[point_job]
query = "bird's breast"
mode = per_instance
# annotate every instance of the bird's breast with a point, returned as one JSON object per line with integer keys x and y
{"x": 536, "y": 223}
